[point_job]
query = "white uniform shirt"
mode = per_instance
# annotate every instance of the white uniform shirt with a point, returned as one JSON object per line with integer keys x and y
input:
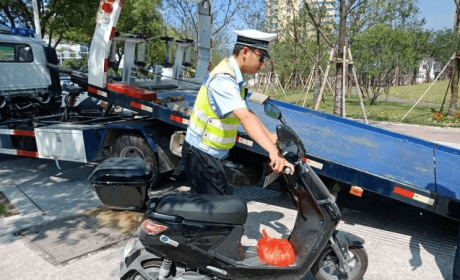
{"x": 224, "y": 93}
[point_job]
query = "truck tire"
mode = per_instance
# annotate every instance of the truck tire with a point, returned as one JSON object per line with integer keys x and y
{"x": 242, "y": 176}
{"x": 325, "y": 267}
{"x": 132, "y": 145}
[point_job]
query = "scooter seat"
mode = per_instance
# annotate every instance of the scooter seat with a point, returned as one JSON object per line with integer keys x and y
{"x": 220, "y": 209}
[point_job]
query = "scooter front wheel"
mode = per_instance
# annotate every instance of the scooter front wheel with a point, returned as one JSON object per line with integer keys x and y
{"x": 326, "y": 266}
{"x": 152, "y": 268}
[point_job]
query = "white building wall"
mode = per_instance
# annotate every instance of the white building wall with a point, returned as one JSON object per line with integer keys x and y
{"x": 68, "y": 50}
{"x": 428, "y": 65}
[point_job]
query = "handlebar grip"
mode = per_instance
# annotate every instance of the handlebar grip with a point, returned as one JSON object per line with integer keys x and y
{"x": 287, "y": 170}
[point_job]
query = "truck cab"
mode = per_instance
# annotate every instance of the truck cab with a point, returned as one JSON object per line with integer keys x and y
{"x": 27, "y": 86}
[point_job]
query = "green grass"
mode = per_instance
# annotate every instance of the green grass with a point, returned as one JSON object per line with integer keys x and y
{"x": 434, "y": 95}
{"x": 3, "y": 209}
{"x": 389, "y": 111}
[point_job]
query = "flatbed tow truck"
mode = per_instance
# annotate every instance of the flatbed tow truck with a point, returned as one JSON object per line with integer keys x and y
{"x": 359, "y": 156}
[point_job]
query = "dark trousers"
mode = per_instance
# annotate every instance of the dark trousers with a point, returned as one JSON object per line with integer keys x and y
{"x": 457, "y": 257}
{"x": 205, "y": 173}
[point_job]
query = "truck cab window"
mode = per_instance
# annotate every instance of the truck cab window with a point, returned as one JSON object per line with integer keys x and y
{"x": 6, "y": 53}
{"x": 25, "y": 54}
{"x": 16, "y": 53}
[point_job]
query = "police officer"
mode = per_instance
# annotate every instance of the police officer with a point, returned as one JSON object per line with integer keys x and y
{"x": 220, "y": 107}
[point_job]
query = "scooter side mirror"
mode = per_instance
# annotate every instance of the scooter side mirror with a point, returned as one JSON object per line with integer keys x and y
{"x": 286, "y": 134}
{"x": 273, "y": 111}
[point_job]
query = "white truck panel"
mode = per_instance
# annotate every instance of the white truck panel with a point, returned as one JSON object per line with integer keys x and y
{"x": 60, "y": 143}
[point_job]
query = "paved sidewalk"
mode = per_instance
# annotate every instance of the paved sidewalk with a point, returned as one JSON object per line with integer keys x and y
{"x": 43, "y": 193}
{"x": 444, "y": 136}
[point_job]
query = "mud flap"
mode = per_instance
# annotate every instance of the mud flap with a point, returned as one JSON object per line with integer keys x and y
{"x": 132, "y": 258}
{"x": 346, "y": 239}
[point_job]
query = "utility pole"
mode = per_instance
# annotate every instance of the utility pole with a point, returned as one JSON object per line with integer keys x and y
{"x": 455, "y": 78}
{"x": 38, "y": 30}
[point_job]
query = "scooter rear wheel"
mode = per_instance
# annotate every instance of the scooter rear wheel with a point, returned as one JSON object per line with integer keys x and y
{"x": 326, "y": 266}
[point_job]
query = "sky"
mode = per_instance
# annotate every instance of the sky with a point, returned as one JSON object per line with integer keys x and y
{"x": 439, "y": 14}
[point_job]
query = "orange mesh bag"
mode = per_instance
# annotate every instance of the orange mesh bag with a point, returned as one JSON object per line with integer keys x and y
{"x": 275, "y": 251}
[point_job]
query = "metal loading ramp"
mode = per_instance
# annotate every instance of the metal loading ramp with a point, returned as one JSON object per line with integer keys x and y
{"x": 409, "y": 169}
{"x": 403, "y": 167}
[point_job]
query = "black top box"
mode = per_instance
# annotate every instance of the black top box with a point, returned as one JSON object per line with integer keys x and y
{"x": 121, "y": 183}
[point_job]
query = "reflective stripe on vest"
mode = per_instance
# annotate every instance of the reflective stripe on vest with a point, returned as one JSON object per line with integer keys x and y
{"x": 215, "y": 132}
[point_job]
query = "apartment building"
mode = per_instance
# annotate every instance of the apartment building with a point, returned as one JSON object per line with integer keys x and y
{"x": 281, "y": 15}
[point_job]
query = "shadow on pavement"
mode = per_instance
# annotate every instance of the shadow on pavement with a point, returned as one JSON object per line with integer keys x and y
{"x": 436, "y": 234}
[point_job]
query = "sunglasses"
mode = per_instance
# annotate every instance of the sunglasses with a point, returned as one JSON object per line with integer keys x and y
{"x": 261, "y": 57}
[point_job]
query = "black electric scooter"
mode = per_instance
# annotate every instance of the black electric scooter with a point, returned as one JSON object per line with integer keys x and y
{"x": 192, "y": 236}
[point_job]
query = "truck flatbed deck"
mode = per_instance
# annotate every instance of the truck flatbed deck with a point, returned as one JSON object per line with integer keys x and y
{"x": 403, "y": 167}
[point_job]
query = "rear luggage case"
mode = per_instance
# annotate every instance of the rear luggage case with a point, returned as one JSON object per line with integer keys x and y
{"x": 122, "y": 183}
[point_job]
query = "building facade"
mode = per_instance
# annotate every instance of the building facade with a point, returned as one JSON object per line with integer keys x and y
{"x": 428, "y": 71}
{"x": 287, "y": 17}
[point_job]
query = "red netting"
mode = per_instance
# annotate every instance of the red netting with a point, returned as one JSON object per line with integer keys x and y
{"x": 275, "y": 251}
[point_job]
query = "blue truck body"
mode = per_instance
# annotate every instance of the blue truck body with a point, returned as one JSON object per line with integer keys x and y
{"x": 418, "y": 172}
{"x": 406, "y": 168}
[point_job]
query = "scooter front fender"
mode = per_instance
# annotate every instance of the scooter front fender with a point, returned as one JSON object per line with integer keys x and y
{"x": 132, "y": 257}
{"x": 347, "y": 239}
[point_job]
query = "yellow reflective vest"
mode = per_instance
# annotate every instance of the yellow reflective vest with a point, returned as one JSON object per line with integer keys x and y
{"x": 218, "y": 133}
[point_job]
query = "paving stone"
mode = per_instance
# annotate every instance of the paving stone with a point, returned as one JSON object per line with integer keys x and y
{"x": 63, "y": 240}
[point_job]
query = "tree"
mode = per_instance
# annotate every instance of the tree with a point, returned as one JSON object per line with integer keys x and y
{"x": 344, "y": 9}
{"x": 61, "y": 19}
{"x": 296, "y": 52}
{"x": 183, "y": 16}
{"x": 143, "y": 17}
{"x": 16, "y": 13}
{"x": 395, "y": 13}
{"x": 254, "y": 14}
{"x": 323, "y": 25}
{"x": 446, "y": 43}
{"x": 381, "y": 49}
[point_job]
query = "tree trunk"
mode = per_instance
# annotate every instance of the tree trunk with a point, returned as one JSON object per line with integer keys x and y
{"x": 316, "y": 83}
{"x": 349, "y": 84}
{"x": 429, "y": 65}
{"x": 457, "y": 14}
{"x": 454, "y": 89}
{"x": 339, "y": 66}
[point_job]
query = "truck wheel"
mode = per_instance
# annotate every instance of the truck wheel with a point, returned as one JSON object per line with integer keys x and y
{"x": 242, "y": 176}
{"x": 325, "y": 267}
{"x": 131, "y": 145}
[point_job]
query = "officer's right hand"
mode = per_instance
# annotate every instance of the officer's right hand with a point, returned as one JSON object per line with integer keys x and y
{"x": 278, "y": 162}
